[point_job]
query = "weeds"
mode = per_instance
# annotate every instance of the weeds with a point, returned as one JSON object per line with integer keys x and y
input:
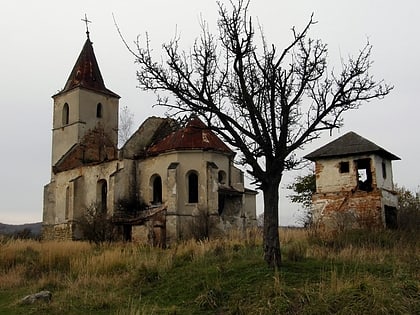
{"x": 374, "y": 272}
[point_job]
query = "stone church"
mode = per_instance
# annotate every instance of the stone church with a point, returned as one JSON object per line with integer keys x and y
{"x": 170, "y": 179}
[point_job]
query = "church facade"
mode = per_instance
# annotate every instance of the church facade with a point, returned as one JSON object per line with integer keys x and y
{"x": 171, "y": 180}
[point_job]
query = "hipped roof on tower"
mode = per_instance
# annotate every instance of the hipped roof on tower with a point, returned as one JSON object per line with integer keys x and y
{"x": 86, "y": 73}
{"x": 349, "y": 144}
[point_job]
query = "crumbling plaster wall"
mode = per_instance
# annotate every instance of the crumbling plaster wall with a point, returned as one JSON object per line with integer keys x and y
{"x": 82, "y": 117}
{"x": 71, "y": 192}
{"x": 338, "y": 202}
{"x": 187, "y": 161}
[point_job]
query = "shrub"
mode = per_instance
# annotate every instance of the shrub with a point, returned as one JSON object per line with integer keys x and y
{"x": 97, "y": 226}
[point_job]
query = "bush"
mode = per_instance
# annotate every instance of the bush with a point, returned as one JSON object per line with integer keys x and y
{"x": 97, "y": 226}
{"x": 408, "y": 210}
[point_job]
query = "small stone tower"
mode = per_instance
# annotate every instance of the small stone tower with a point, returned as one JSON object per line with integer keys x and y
{"x": 354, "y": 185}
{"x": 84, "y": 106}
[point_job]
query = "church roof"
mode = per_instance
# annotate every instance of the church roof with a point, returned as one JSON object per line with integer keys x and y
{"x": 195, "y": 135}
{"x": 349, "y": 144}
{"x": 86, "y": 73}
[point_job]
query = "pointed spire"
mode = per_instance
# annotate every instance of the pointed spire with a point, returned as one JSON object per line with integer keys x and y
{"x": 87, "y": 25}
{"x": 86, "y": 73}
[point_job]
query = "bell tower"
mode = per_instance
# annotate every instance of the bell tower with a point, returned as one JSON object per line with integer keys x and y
{"x": 84, "y": 107}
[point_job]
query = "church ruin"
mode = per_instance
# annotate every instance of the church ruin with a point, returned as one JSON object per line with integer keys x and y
{"x": 166, "y": 177}
{"x": 354, "y": 185}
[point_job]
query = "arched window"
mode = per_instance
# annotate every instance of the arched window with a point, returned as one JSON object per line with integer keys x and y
{"x": 157, "y": 189}
{"x": 99, "y": 110}
{"x": 222, "y": 177}
{"x": 101, "y": 195}
{"x": 65, "y": 114}
{"x": 192, "y": 187}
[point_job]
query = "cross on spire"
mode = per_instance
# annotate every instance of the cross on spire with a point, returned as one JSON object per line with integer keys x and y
{"x": 87, "y": 25}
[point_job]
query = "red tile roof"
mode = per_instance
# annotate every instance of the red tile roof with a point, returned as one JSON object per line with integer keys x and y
{"x": 195, "y": 135}
{"x": 86, "y": 73}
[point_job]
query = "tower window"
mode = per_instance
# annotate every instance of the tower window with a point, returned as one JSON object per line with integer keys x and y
{"x": 344, "y": 167}
{"x": 65, "y": 117}
{"x": 192, "y": 187}
{"x": 99, "y": 110}
{"x": 364, "y": 174}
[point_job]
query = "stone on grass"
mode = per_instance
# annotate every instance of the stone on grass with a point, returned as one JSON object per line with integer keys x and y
{"x": 42, "y": 296}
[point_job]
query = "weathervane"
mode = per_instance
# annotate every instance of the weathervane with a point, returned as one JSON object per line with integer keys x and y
{"x": 87, "y": 25}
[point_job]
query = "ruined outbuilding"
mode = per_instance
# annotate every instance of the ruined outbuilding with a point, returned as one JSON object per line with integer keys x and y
{"x": 354, "y": 185}
{"x": 170, "y": 180}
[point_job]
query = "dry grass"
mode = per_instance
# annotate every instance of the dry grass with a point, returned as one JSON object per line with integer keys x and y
{"x": 334, "y": 273}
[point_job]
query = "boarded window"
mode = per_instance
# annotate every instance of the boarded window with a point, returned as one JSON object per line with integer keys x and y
{"x": 192, "y": 187}
{"x": 364, "y": 173}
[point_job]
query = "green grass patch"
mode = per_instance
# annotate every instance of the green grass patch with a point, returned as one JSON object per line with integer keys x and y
{"x": 348, "y": 275}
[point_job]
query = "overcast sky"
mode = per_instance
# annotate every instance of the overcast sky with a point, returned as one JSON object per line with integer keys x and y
{"x": 41, "y": 40}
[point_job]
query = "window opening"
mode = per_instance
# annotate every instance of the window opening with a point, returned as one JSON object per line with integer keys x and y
{"x": 344, "y": 167}
{"x": 157, "y": 190}
{"x": 364, "y": 174}
{"x": 65, "y": 117}
{"x": 102, "y": 193}
{"x": 221, "y": 176}
{"x": 221, "y": 205}
{"x": 99, "y": 110}
{"x": 193, "y": 187}
{"x": 67, "y": 210}
{"x": 391, "y": 221}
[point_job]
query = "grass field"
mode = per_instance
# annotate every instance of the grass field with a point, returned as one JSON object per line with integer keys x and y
{"x": 358, "y": 272}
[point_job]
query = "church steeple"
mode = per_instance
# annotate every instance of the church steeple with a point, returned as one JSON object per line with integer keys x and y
{"x": 85, "y": 116}
{"x": 86, "y": 73}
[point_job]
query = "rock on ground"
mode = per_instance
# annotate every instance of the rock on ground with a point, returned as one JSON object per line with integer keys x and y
{"x": 43, "y": 296}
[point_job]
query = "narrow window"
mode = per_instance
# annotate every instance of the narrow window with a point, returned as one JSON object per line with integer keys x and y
{"x": 383, "y": 169}
{"x": 192, "y": 187}
{"x": 65, "y": 114}
{"x": 222, "y": 177}
{"x": 157, "y": 190}
{"x": 99, "y": 110}
{"x": 67, "y": 210}
{"x": 101, "y": 198}
{"x": 364, "y": 174}
{"x": 344, "y": 167}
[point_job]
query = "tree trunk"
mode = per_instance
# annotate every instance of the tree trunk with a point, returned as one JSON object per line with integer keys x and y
{"x": 271, "y": 239}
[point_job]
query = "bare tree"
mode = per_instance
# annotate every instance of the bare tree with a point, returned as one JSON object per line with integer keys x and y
{"x": 264, "y": 102}
{"x": 125, "y": 126}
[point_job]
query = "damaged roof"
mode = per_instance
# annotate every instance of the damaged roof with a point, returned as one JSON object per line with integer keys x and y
{"x": 86, "y": 73}
{"x": 195, "y": 135}
{"x": 349, "y": 144}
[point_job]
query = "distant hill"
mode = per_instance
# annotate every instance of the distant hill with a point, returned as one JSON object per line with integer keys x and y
{"x": 8, "y": 229}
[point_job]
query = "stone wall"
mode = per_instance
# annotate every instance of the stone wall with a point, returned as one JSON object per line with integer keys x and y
{"x": 59, "y": 232}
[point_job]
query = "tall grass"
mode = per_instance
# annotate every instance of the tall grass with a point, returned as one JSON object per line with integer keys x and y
{"x": 375, "y": 272}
